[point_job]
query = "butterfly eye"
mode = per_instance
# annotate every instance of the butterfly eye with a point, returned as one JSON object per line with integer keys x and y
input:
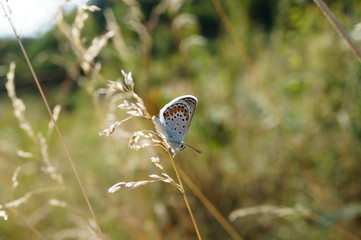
{"x": 182, "y": 147}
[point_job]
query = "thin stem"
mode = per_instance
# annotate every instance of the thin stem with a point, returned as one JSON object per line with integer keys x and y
{"x": 211, "y": 208}
{"x": 185, "y": 197}
{"x": 26, "y": 222}
{"x": 338, "y": 27}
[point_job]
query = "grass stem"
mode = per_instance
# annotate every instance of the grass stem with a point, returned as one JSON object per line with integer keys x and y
{"x": 339, "y": 29}
{"x": 211, "y": 208}
{"x": 185, "y": 196}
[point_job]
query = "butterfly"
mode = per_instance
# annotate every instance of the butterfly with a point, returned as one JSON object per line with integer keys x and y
{"x": 174, "y": 121}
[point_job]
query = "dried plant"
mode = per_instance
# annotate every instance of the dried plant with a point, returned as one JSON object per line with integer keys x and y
{"x": 18, "y": 104}
{"x": 85, "y": 52}
{"x": 39, "y": 150}
{"x": 38, "y": 138}
{"x": 134, "y": 107}
{"x": 19, "y": 110}
{"x": 277, "y": 211}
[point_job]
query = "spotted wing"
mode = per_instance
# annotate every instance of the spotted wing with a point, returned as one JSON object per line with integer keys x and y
{"x": 176, "y": 117}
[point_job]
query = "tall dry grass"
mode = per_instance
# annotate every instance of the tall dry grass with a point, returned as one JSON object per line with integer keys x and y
{"x": 276, "y": 135}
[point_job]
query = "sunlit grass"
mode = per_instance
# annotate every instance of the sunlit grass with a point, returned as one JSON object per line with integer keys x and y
{"x": 278, "y": 121}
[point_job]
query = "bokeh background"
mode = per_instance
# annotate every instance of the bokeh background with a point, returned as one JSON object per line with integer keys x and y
{"x": 278, "y": 122}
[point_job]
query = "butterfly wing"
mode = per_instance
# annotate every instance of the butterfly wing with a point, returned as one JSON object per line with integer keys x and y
{"x": 176, "y": 117}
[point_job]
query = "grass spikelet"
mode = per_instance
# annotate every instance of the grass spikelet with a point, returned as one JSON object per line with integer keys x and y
{"x": 19, "y": 112}
{"x": 56, "y": 113}
{"x": 57, "y": 203}
{"x": 19, "y": 201}
{"x": 118, "y": 39}
{"x": 39, "y": 141}
{"x": 96, "y": 46}
{"x": 49, "y": 166}
{"x": 130, "y": 185}
{"x": 277, "y": 211}
{"x": 134, "y": 20}
{"x": 73, "y": 35}
{"x": 18, "y": 104}
{"x": 14, "y": 178}
{"x": 23, "y": 154}
{"x": 3, "y": 215}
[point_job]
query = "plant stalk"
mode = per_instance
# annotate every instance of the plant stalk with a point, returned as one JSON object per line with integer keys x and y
{"x": 185, "y": 197}
{"x": 338, "y": 27}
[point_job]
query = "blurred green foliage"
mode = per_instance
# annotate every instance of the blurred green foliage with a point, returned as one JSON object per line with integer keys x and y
{"x": 278, "y": 121}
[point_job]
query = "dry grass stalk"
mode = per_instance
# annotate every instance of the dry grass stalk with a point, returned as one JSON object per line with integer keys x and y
{"x": 18, "y": 104}
{"x": 14, "y": 178}
{"x": 24, "y": 154}
{"x": 39, "y": 141}
{"x": 135, "y": 20}
{"x": 57, "y": 203}
{"x": 49, "y": 168}
{"x": 277, "y": 211}
{"x": 56, "y": 114}
{"x": 97, "y": 232}
{"x": 17, "y": 202}
{"x": 118, "y": 40}
{"x": 73, "y": 35}
{"x": 19, "y": 112}
{"x": 339, "y": 28}
{"x": 134, "y": 107}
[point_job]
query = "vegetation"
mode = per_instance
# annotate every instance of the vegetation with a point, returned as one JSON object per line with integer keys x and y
{"x": 278, "y": 122}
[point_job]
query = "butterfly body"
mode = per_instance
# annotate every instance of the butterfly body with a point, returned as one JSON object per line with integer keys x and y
{"x": 174, "y": 121}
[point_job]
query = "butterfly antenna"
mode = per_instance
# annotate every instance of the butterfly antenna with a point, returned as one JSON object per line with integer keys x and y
{"x": 195, "y": 149}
